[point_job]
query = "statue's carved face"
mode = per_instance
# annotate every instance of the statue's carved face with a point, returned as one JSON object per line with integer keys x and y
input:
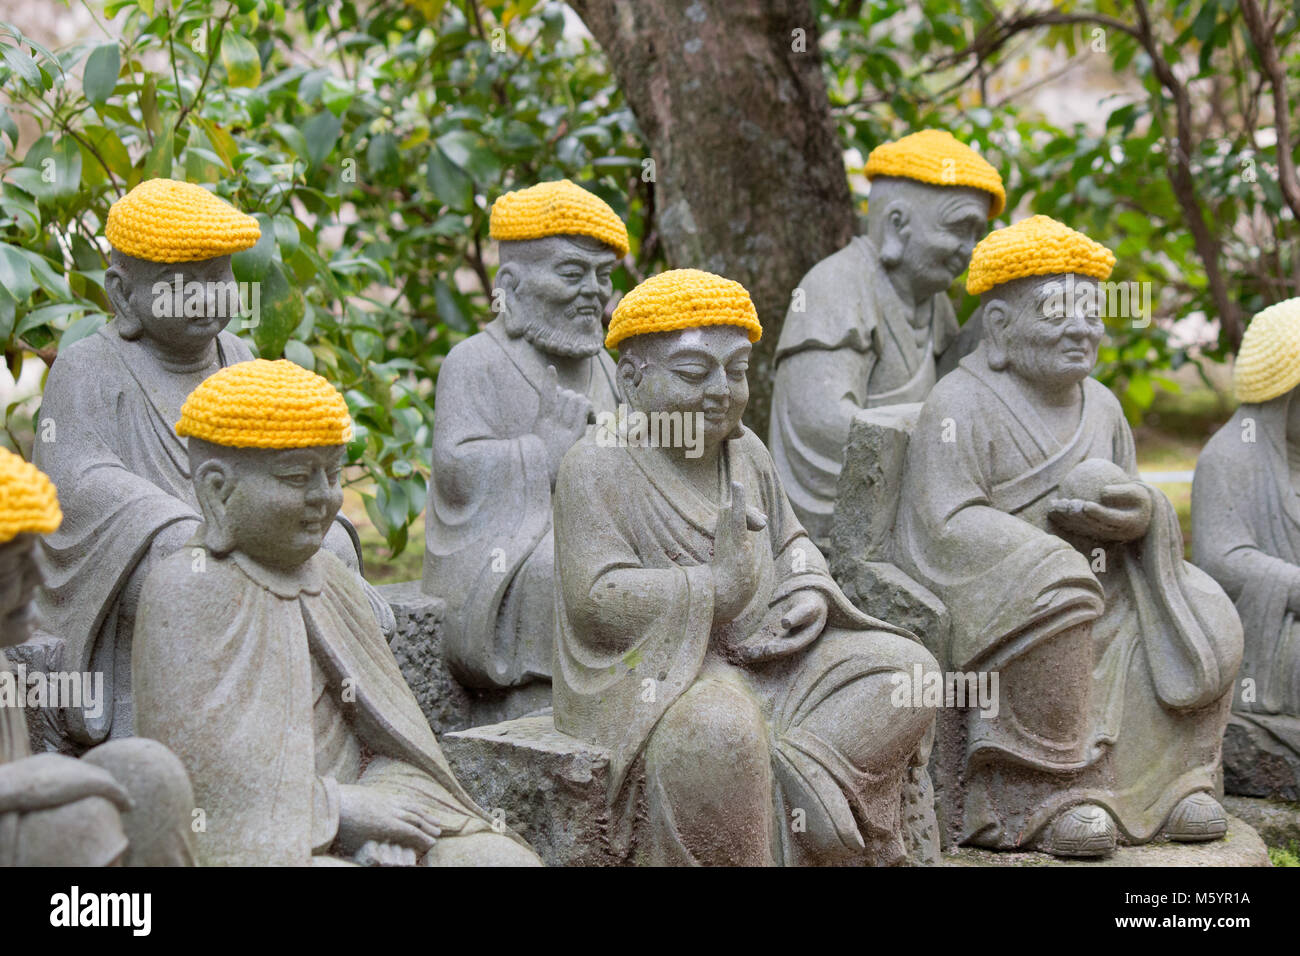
{"x": 19, "y": 578}
{"x": 274, "y": 505}
{"x": 925, "y": 233}
{"x": 555, "y": 292}
{"x": 1052, "y": 329}
{"x": 147, "y": 300}
{"x": 695, "y": 370}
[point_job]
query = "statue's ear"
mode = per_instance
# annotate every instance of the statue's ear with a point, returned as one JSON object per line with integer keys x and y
{"x": 505, "y": 298}
{"x": 997, "y": 326}
{"x": 630, "y": 370}
{"x": 214, "y": 482}
{"x": 124, "y": 320}
{"x": 898, "y": 229}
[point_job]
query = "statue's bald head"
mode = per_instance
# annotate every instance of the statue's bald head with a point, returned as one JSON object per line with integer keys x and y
{"x": 925, "y": 233}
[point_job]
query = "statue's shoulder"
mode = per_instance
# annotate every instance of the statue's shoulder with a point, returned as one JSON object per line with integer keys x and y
{"x": 236, "y": 349}
{"x": 591, "y": 461}
{"x": 94, "y": 353}
{"x": 1102, "y": 397}
{"x": 192, "y": 584}
{"x": 836, "y": 308}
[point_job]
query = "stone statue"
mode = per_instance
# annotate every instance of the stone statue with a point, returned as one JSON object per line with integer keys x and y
{"x": 868, "y": 325}
{"x": 105, "y": 431}
{"x": 1246, "y": 535}
{"x": 749, "y": 708}
{"x": 1062, "y": 573}
{"x": 258, "y": 660}
{"x": 511, "y": 400}
{"x": 127, "y": 802}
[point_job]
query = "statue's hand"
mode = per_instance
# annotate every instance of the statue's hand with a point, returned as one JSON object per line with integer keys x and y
{"x": 49, "y": 780}
{"x": 1123, "y": 514}
{"x": 562, "y": 416}
{"x": 792, "y": 624}
{"x": 366, "y": 813}
{"x": 735, "y": 552}
{"x": 373, "y": 853}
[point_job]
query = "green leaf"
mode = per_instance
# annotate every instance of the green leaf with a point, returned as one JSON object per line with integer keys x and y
{"x": 252, "y": 264}
{"x": 321, "y": 133}
{"x": 86, "y": 325}
{"x": 22, "y": 64}
{"x": 298, "y": 353}
{"x": 282, "y": 308}
{"x": 449, "y": 183}
{"x": 337, "y": 95}
{"x": 240, "y": 58}
{"x": 100, "y": 77}
{"x": 15, "y": 273}
{"x": 158, "y": 161}
{"x": 381, "y": 156}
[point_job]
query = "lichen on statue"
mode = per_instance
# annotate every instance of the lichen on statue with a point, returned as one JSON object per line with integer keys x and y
{"x": 872, "y": 324}
{"x": 105, "y": 430}
{"x": 259, "y": 662}
{"x": 511, "y": 400}
{"x": 700, "y": 637}
{"x": 1022, "y": 509}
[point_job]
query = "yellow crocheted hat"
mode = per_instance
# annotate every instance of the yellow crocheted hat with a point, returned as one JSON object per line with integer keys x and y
{"x": 683, "y": 299}
{"x": 558, "y": 208}
{"x": 937, "y": 157}
{"x": 1037, "y": 246}
{"x": 1268, "y": 364}
{"x": 261, "y": 404}
{"x": 163, "y": 220}
{"x": 28, "y": 502}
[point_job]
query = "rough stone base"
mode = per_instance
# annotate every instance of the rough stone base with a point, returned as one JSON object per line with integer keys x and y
{"x": 1241, "y": 847}
{"x": 447, "y": 705}
{"x": 1257, "y": 764}
{"x": 551, "y": 789}
{"x": 1276, "y": 822}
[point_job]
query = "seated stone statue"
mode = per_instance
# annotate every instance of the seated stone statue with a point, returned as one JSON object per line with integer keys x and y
{"x": 748, "y": 707}
{"x": 871, "y": 324}
{"x": 1062, "y": 572}
{"x": 1246, "y": 535}
{"x": 127, "y": 802}
{"x": 260, "y": 664}
{"x": 511, "y": 400}
{"x": 105, "y": 432}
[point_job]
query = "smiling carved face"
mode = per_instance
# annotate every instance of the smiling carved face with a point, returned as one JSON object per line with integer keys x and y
{"x": 283, "y": 502}
{"x": 1055, "y": 329}
{"x": 562, "y": 285}
{"x": 695, "y": 370}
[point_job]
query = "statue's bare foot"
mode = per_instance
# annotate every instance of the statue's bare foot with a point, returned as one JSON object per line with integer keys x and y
{"x": 1197, "y": 818}
{"x": 1085, "y": 830}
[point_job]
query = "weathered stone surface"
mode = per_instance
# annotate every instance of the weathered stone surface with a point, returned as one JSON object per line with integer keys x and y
{"x": 546, "y": 786}
{"x": 46, "y": 730}
{"x": 418, "y": 647}
{"x": 551, "y": 789}
{"x": 872, "y": 475}
{"x": 1276, "y": 822}
{"x": 1241, "y": 847}
{"x": 1257, "y": 764}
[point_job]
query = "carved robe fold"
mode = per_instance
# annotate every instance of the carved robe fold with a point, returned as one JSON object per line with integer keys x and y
{"x": 274, "y": 689}
{"x": 849, "y": 344}
{"x": 488, "y": 542}
{"x": 636, "y": 633}
{"x": 973, "y": 526}
{"x": 1246, "y": 515}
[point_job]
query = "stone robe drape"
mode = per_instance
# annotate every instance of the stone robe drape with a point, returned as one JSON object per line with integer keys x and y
{"x": 973, "y": 527}
{"x": 488, "y": 542}
{"x": 637, "y": 516}
{"x": 1246, "y": 516}
{"x": 274, "y": 689}
{"x": 855, "y": 343}
{"x": 123, "y": 475}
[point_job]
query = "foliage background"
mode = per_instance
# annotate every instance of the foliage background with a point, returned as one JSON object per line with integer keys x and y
{"x": 371, "y": 138}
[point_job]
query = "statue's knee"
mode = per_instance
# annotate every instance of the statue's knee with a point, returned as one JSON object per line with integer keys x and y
{"x": 714, "y": 723}
{"x": 158, "y": 825}
{"x": 86, "y": 832}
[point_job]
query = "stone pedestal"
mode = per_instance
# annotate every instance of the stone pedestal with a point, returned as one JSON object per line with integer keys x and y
{"x": 417, "y": 646}
{"x": 548, "y": 787}
{"x": 1241, "y": 847}
{"x": 1256, "y": 763}
{"x": 42, "y": 654}
{"x": 1277, "y": 822}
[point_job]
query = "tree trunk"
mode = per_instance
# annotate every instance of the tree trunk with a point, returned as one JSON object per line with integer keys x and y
{"x": 750, "y": 181}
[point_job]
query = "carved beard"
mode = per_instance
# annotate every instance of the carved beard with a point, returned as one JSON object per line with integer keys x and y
{"x": 572, "y": 336}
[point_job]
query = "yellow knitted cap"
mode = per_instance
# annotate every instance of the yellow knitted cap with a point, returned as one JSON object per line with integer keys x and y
{"x": 163, "y": 220}
{"x": 683, "y": 299}
{"x": 558, "y": 208}
{"x": 28, "y": 502}
{"x": 1268, "y": 364}
{"x": 1037, "y": 246}
{"x": 261, "y": 404}
{"x": 937, "y": 157}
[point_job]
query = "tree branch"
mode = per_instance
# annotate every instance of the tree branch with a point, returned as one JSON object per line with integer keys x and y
{"x": 1272, "y": 67}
